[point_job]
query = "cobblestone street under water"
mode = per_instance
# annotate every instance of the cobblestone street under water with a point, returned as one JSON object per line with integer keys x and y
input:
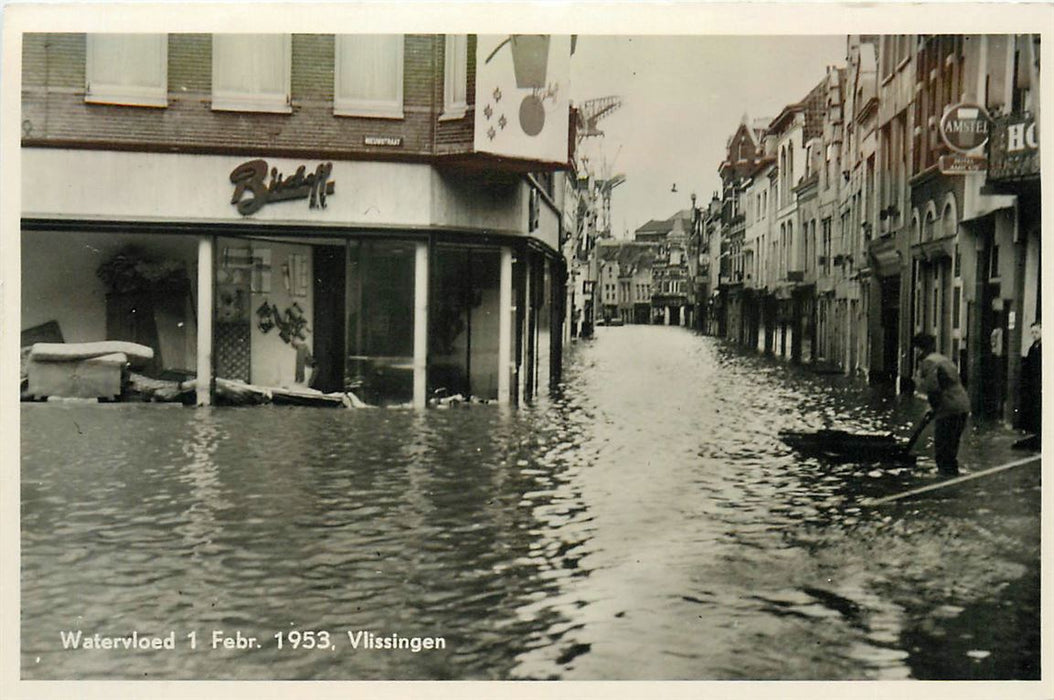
{"x": 644, "y": 522}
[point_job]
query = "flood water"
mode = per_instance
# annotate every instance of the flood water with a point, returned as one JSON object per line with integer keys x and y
{"x": 645, "y": 522}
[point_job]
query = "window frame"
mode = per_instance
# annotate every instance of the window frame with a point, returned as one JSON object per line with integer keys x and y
{"x": 273, "y": 103}
{"x": 344, "y": 106}
{"x": 455, "y": 76}
{"x": 125, "y": 95}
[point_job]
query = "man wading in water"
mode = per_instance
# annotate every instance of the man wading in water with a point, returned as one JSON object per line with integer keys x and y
{"x": 938, "y": 378}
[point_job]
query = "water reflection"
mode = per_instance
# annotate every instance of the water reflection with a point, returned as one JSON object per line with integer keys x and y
{"x": 646, "y": 521}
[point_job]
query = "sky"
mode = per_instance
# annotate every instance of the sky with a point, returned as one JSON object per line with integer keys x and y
{"x": 682, "y": 98}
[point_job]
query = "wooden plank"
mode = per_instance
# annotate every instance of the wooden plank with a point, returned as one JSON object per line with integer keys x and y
{"x": 870, "y": 502}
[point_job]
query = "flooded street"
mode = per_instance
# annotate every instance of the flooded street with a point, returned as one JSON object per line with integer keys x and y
{"x": 645, "y": 522}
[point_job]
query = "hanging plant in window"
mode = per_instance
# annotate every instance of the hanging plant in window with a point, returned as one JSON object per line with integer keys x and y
{"x": 132, "y": 270}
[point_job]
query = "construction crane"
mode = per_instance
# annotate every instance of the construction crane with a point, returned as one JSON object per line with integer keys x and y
{"x": 594, "y": 208}
{"x": 604, "y": 188}
{"x": 589, "y": 114}
{"x": 593, "y": 111}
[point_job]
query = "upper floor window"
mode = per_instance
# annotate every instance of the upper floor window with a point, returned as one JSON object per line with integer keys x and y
{"x": 455, "y": 77}
{"x": 127, "y": 69}
{"x": 368, "y": 76}
{"x": 250, "y": 72}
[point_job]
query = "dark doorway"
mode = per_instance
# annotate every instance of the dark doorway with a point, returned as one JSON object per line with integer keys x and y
{"x": 329, "y": 318}
{"x": 890, "y": 320}
{"x": 994, "y": 336}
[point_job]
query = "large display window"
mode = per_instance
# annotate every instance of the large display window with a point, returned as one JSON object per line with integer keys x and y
{"x": 263, "y": 331}
{"x": 393, "y": 321}
{"x": 464, "y": 316}
{"x": 87, "y": 287}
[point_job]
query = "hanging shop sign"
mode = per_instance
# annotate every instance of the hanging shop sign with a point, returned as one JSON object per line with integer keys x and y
{"x": 253, "y": 190}
{"x": 965, "y": 127}
{"x": 1014, "y": 151}
{"x": 522, "y": 89}
{"x": 959, "y": 164}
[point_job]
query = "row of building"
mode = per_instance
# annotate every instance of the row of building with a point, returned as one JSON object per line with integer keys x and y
{"x": 901, "y": 195}
{"x": 391, "y": 205}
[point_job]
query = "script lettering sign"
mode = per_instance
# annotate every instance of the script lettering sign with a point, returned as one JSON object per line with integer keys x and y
{"x": 253, "y": 189}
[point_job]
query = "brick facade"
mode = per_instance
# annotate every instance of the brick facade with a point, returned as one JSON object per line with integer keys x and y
{"x": 54, "y": 112}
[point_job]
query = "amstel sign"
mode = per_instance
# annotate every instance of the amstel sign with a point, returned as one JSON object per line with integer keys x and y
{"x": 965, "y": 127}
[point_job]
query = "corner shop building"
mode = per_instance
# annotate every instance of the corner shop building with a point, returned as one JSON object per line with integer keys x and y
{"x": 405, "y": 279}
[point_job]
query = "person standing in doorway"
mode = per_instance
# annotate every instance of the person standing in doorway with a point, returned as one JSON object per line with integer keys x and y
{"x": 938, "y": 378}
{"x": 1032, "y": 384}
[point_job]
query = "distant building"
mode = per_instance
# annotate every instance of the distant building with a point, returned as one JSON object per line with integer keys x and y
{"x": 627, "y": 279}
{"x": 743, "y": 150}
{"x": 708, "y": 300}
{"x": 673, "y": 293}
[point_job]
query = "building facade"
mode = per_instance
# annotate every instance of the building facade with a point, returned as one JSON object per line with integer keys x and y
{"x": 886, "y": 222}
{"x": 384, "y": 201}
{"x": 672, "y": 287}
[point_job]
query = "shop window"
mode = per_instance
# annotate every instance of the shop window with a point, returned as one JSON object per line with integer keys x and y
{"x": 935, "y": 308}
{"x": 127, "y": 69}
{"x": 236, "y": 268}
{"x": 464, "y": 317}
{"x": 148, "y": 301}
{"x": 250, "y": 72}
{"x": 455, "y": 77}
{"x": 263, "y": 329}
{"x": 368, "y": 76}
{"x": 956, "y": 312}
{"x": 380, "y": 321}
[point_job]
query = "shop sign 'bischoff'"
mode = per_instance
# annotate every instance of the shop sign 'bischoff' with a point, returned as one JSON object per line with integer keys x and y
{"x": 251, "y": 178}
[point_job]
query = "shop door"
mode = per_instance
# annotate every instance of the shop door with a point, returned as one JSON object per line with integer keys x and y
{"x": 994, "y": 336}
{"x": 890, "y": 301}
{"x": 329, "y": 318}
{"x": 380, "y": 320}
